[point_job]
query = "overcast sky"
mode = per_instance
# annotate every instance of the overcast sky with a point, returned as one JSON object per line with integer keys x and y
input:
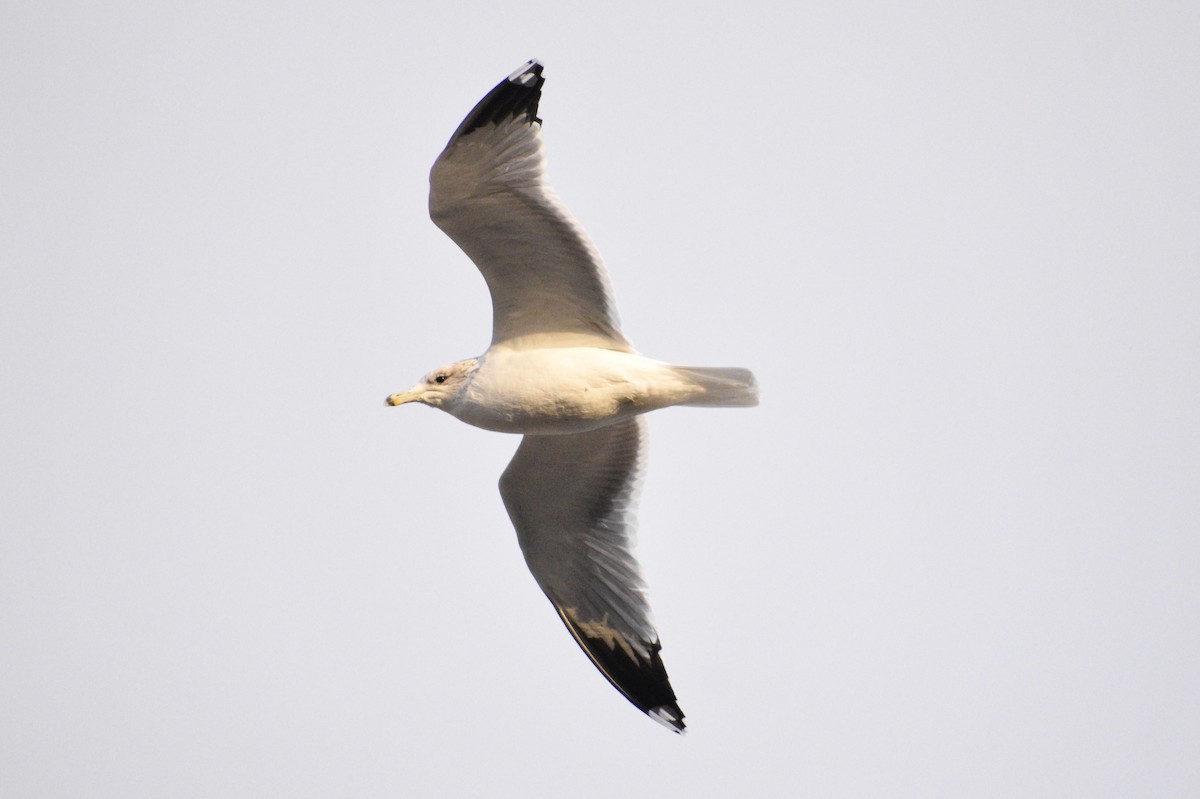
{"x": 955, "y": 552}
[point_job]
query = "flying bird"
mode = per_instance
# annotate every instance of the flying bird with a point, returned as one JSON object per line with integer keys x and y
{"x": 560, "y": 373}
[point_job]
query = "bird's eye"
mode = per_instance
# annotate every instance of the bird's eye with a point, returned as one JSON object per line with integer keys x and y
{"x": 440, "y": 379}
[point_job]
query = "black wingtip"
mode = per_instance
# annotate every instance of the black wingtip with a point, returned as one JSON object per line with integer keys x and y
{"x": 641, "y": 680}
{"x": 515, "y": 96}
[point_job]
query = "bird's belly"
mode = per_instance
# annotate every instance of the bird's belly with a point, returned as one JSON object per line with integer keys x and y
{"x": 553, "y": 417}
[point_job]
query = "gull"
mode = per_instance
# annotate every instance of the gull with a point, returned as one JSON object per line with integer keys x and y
{"x": 560, "y": 373}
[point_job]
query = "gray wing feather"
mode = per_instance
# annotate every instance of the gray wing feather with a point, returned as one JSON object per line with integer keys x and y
{"x": 572, "y": 500}
{"x": 488, "y": 192}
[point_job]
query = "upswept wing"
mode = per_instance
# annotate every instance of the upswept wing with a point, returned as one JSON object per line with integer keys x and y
{"x": 489, "y": 193}
{"x": 572, "y": 499}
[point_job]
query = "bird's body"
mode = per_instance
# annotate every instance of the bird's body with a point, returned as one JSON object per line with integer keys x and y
{"x": 552, "y": 391}
{"x": 560, "y": 373}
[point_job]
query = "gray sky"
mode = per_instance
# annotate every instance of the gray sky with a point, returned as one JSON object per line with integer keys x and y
{"x": 954, "y": 553}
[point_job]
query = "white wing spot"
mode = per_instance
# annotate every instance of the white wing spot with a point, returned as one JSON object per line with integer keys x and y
{"x": 523, "y": 75}
{"x": 664, "y": 716}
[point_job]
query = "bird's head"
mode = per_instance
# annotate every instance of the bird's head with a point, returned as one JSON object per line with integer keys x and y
{"x": 439, "y": 386}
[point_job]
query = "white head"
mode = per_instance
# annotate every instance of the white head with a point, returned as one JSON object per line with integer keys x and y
{"x": 440, "y": 386}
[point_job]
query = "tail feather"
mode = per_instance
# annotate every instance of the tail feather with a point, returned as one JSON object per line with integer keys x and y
{"x": 720, "y": 386}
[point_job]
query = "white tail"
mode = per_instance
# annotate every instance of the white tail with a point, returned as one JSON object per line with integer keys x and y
{"x": 720, "y": 386}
